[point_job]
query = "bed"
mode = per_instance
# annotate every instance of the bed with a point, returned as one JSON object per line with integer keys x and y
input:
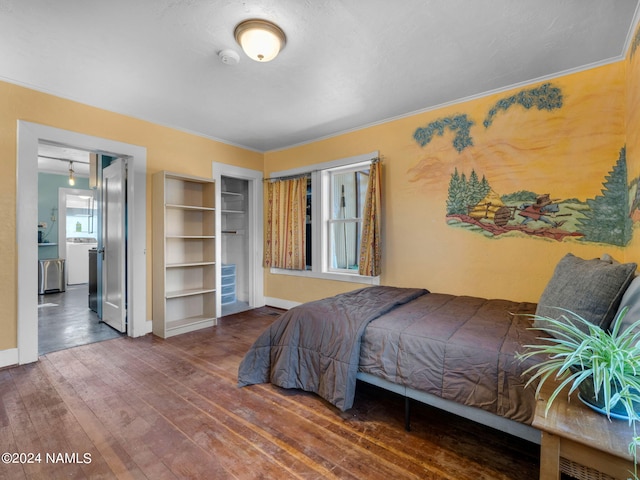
{"x": 454, "y": 352}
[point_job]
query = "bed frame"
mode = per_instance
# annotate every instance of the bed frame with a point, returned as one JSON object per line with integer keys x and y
{"x": 477, "y": 415}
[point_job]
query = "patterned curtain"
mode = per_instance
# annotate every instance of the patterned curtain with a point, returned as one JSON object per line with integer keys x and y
{"x": 285, "y": 233}
{"x": 370, "y": 246}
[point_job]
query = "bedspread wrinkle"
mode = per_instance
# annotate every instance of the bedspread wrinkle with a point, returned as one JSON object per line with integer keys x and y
{"x": 316, "y": 346}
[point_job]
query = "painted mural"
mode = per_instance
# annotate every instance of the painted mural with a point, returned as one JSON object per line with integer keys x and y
{"x": 527, "y": 198}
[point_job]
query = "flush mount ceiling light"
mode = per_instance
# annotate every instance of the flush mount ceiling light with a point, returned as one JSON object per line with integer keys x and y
{"x": 261, "y": 40}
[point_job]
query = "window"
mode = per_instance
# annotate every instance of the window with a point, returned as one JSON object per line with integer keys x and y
{"x": 335, "y": 201}
{"x": 347, "y": 188}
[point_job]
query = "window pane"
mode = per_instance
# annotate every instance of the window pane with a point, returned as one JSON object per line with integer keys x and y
{"x": 344, "y": 244}
{"x": 348, "y": 191}
{"x": 362, "y": 178}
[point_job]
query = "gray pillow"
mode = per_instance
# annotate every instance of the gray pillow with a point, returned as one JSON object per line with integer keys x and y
{"x": 590, "y": 288}
{"x": 631, "y": 299}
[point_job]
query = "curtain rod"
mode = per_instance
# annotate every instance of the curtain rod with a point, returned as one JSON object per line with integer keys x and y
{"x": 307, "y": 173}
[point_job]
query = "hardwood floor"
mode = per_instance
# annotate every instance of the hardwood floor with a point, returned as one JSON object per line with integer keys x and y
{"x": 156, "y": 409}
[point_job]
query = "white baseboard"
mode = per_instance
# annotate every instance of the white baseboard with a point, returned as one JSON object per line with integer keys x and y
{"x": 8, "y": 357}
{"x": 149, "y": 326}
{"x": 280, "y": 303}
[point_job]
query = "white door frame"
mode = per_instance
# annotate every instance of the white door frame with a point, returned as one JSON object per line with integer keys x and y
{"x": 29, "y": 135}
{"x": 255, "y": 237}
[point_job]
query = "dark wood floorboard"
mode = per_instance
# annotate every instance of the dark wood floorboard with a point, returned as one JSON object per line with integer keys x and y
{"x": 149, "y": 408}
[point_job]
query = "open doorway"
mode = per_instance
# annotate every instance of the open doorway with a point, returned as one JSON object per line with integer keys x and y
{"x": 68, "y": 231}
{"x": 30, "y": 135}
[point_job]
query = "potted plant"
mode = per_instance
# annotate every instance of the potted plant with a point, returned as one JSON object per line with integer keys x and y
{"x": 583, "y": 356}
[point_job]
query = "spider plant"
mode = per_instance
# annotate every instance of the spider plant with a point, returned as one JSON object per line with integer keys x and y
{"x": 579, "y": 351}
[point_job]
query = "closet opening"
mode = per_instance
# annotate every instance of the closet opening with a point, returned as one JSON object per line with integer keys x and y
{"x": 239, "y": 239}
{"x": 235, "y": 257}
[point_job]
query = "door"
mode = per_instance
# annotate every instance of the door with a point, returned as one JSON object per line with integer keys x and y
{"x": 114, "y": 299}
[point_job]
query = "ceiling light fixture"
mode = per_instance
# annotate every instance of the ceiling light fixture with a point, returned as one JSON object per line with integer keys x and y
{"x": 261, "y": 40}
{"x": 72, "y": 178}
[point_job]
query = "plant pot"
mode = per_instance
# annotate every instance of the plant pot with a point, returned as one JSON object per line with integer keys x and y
{"x": 586, "y": 394}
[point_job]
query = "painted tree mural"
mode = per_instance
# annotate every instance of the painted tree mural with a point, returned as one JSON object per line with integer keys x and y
{"x": 464, "y": 193}
{"x": 459, "y": 124}
{"x": 607, "y": 219}
{"x": 544, "y": 97}
{"x": 474, "y": 205}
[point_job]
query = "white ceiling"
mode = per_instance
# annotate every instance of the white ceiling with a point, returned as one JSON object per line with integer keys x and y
{"x": 55, "y": 159}
{"x": 347, "y": 63}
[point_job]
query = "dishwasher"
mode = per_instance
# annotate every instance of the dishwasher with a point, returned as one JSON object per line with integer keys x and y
{"x": 78, "y": 259}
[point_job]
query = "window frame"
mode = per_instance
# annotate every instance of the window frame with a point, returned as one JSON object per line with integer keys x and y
{"x": 319, "y": 225}
{"x": 327, "y": 178}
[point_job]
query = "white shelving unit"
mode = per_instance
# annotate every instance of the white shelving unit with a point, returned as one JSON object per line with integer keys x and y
{"x": 184, "y": 256}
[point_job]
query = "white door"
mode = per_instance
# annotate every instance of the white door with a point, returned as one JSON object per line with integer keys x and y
{"x": 114, "y": 305}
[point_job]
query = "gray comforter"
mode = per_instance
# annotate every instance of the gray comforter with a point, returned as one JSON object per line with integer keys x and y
{"x": 458, "y": 348}
{"x": 316, "y": 346}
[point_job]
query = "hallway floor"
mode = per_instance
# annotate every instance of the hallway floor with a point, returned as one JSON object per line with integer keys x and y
{"x": 65, "y": 321}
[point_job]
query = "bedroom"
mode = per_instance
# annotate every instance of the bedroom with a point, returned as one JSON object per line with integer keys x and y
{"x": 453, "y": 257}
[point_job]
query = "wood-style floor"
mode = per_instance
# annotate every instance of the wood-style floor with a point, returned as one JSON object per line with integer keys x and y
{"x": 148, "y": 408}
{"x": 65, "y": 320}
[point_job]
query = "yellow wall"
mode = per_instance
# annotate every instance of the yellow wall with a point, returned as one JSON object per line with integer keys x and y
{"x": 167, "y": 149}
{"x": 632, "y": 64}
{"x": 567, "y": 152}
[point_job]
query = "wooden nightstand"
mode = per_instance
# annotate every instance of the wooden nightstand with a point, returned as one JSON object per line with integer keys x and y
{"x": 580, "y": 442}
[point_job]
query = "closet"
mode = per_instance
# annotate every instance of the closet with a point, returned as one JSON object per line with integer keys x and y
{"x": 235, "y": 245}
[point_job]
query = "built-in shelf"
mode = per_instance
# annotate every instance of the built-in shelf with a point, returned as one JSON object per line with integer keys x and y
{"x": 47, "y": 244}
{"x": 189, "y": 292}
{"x": 189, "y": 207}
{"x": 184, "y": 254}
{"x": 189, "y": 264}
{"x": 191, "y": 236}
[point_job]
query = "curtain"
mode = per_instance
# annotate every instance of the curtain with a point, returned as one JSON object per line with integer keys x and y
{"x": 285, "y": 232}
{"x": 370, "y": 244}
